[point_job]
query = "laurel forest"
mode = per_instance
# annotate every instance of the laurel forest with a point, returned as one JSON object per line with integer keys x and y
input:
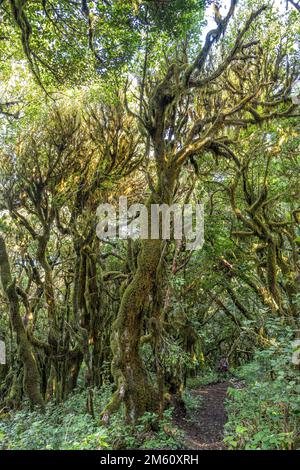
{"x": 146, "y": 342}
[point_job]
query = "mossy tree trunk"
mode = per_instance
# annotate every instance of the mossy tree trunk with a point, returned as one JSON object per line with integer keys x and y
{"x": 31, "y": 375}
{"x": 128, "y": 369}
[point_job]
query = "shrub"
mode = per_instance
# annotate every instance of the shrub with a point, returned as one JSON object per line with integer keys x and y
{"x": 64, "y": 426}
{"x": 67, "y": 426}
{"x": 266, "y": 413}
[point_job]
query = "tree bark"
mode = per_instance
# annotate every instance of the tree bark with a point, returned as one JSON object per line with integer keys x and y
{"x": 31, "y": 375}
{"x": 128, "y": 370}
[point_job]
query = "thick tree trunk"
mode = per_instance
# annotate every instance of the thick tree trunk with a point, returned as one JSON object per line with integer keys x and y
{"x": 31, "y": 375}
{"x": 128, "y": 369}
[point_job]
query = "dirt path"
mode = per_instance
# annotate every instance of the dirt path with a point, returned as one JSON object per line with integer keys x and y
{"x": 205, "y": 431}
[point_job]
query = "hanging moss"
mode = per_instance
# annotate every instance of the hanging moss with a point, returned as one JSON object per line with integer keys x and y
{"x": 31, "y": 376}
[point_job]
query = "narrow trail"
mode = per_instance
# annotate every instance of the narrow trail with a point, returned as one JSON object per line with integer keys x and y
{"x": 205, "y": 431}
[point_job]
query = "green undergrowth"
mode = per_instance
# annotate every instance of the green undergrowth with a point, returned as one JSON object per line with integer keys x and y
{"x": 265, "y": 414}
{"x": 67, "y": 426}
{"x": 205, "y": 378}
{"x": 192, "y": 404}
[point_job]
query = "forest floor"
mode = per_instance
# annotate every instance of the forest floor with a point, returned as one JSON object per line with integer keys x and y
{"x": 205, "y": 430}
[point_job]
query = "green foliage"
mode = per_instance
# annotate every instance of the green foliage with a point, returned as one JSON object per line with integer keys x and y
{"x": 265, "y": 415}
{"x": 149, "y": 433}
{"x": 166, "y": 435}
{"x": 64, "y": 426}
{"x": 68, "y": 427}
{"x": 175, "y": 17}
{"x": 192, "y": 403}
{"x": 65, "y": 43}
{"x": 209, "y": 376}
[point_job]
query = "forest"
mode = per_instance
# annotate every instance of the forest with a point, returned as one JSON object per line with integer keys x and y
{"x": 144, "y": 342}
